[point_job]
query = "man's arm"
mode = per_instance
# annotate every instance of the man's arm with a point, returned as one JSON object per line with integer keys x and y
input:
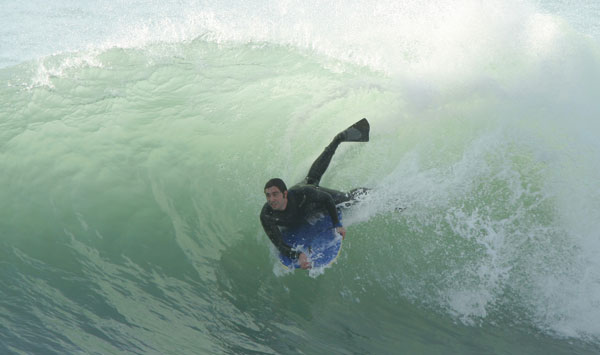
{"x": 274, "y": 234}
{"x": 325, "y": 200}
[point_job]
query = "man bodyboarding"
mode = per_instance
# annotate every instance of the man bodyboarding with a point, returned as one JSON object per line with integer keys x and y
{"x": 290, "y": 208}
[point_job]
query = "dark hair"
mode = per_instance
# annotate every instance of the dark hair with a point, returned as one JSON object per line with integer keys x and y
{"x": 278, "y": 183}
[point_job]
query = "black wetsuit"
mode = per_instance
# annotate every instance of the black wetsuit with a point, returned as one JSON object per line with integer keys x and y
{"x": 305, "y": 200}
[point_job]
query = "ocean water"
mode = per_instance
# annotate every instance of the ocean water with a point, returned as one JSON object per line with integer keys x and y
{"x": 136, "y": 138}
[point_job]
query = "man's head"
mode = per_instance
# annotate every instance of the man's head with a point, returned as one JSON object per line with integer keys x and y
{"x": 276, "y": 193}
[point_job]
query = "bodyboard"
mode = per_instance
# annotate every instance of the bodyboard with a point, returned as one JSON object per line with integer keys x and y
{"x": 316, "y": 238}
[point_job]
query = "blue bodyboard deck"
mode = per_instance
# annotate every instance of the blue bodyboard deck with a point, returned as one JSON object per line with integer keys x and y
{"x": 317, "y": 239}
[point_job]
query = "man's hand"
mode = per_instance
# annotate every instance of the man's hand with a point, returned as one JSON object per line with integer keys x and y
{"x": 303, "y": 260}
{"x": 342, "y": 231}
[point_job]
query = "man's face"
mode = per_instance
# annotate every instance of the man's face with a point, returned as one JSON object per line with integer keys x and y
{"x": 276, "y": 199}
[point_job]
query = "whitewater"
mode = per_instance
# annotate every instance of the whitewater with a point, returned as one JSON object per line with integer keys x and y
{"x": 136, "y": 138}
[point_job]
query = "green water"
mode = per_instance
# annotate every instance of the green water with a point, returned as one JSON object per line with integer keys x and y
{"x": 132, "y": 181}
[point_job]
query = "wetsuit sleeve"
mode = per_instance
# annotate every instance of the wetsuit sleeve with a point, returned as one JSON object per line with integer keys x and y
{"x": 326, "y": 201}
{"x": 274, "y": 234}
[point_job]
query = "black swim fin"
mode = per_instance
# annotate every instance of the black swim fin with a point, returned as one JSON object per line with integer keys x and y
{"x": 358, "y": 132}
